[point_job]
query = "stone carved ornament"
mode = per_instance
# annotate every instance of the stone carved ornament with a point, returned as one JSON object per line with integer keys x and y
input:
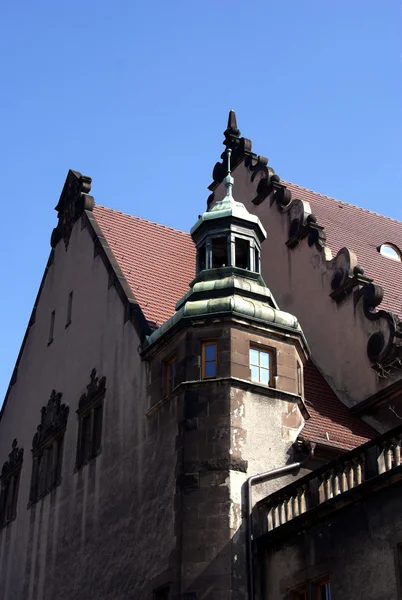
{"x": 385, "y": 351}
{"x": 14, "y": 459}
{"x": 95, "y": 389}
{"x": 53, "y": 419}
{"x": 73, "y": 201}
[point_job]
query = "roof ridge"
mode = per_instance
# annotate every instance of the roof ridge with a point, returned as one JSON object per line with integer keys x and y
{"x": 372, "y": 212}
{"x": 186, "y": 233}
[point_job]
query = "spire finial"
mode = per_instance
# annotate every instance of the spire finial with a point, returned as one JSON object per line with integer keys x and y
{"x": 229, "y": 181}
{"x": 232, "y": 129}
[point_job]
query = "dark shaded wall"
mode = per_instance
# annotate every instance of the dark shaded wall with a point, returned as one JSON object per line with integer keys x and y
{"x": 107, "y": 530}
{"x": 358, "y": 547}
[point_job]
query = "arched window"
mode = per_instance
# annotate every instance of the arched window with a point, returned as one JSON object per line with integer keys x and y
{"x": 390, "y": 251}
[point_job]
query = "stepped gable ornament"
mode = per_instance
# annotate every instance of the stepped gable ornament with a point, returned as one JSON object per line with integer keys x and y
{"x": 95, "y": 389}
{"x": 14, "y": 459}
{"x": 241, "y": 149}
{"x": 384, "y": 349}
{"x": 53, "y": 419}
{"x": 73, "y": 201}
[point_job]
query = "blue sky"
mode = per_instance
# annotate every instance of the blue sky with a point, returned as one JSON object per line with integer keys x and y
{"x": 136, "y": 96}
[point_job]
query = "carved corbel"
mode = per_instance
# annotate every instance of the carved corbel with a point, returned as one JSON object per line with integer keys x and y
{"x": 304, "y": 224}
{"x": 383, "y": 347}
{"x": 348, "y": 275}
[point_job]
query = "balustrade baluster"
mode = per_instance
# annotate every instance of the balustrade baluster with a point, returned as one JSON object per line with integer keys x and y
{"x": 388, "y": 457}
{"x": 350, "y": 475}
{"x": 357, "y": 471}
{"x": 344, "y": 479}
{"x": 396, "y": 444}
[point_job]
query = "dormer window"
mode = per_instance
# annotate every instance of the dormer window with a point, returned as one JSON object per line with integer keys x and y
{"x": 390, "y": 251}
{"x": 242, "y": 253}
{"x": 219, "y": 252}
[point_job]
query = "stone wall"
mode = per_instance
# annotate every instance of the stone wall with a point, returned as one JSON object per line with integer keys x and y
{"x": 107, "y": 530}
{"x": 357, "y": 547}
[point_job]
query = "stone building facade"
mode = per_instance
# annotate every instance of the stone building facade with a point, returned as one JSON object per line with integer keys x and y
{"x": 207, "y": 416}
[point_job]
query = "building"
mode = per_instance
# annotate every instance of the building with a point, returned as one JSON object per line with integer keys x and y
{"x": 213, "y": 415}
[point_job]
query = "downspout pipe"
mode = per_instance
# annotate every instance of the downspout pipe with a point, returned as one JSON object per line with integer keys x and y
{"x": 253, "y": 480}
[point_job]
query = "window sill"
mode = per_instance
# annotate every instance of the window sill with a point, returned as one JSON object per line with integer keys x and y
{"x": 4, "y": 525}
{"x": 88, "y": 461}
{"x": 39, "y": 498}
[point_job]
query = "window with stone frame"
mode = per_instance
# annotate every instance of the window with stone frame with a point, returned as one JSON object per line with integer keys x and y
{"x": 90, "y": 420}
{"x": 322, "y": 590}
{"x": 170, "y": 375}
{"x": 300, "y": 594}
{"x": 47, "y": 448}
{"x": 209, "y": 360}
{"x": 9, "y": 482}
{"x": 261, "y": 363}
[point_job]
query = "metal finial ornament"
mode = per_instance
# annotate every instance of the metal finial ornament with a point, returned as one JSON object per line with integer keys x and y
{"x": 229, "y": 181}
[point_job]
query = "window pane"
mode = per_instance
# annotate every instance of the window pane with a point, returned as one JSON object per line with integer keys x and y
{"x": 325, "y": 591}
{"x": 264, "y": 360}
{"x": 242, "y": 248}
{"x": 219, "y": 252}
{"x": 97, "y": 435}
{"x": 264, "y": 376}
{"x": 210, "y": 351}
{"x": 255, "y": 373}
{"x": 210, "y": 369}
{"x": 254, "y": 356}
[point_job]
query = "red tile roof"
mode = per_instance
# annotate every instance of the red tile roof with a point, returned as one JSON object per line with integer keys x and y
{"x": 331, "y": 421}
{"x": 159, "y": 262}
{"x": 362, "y": 231}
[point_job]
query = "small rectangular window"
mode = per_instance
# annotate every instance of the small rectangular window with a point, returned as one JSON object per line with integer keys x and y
{"x": 202, "y": 263}
{"x": 51, "y": 328}
{"x": 300, "y": 594}
{"x": 260, "y": 366}
{"x": 209, "y": 360}
{"x": 46, "y": 468}
{"x": 170, "y": 375}
{"x": 90, "y": 422}
{"x": 323, "y": 591}
{"x": 242, "y": 250}
{"x": 69, "y": 309}
{"x": 219, "y": 252}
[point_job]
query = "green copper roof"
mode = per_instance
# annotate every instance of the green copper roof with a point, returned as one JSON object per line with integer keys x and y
{"x": 227, "y": 292}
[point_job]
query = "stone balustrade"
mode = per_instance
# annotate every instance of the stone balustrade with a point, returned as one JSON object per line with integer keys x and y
{"x": 366, "y": 462}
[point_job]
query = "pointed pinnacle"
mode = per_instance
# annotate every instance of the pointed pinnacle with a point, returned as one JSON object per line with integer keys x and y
{"x": 232, "y": 128}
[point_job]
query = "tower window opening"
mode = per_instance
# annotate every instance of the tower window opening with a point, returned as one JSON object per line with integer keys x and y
{"x": 202, "y": 258}
{"x": 242, "y": 250}
{"x": 219, "y": 252}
